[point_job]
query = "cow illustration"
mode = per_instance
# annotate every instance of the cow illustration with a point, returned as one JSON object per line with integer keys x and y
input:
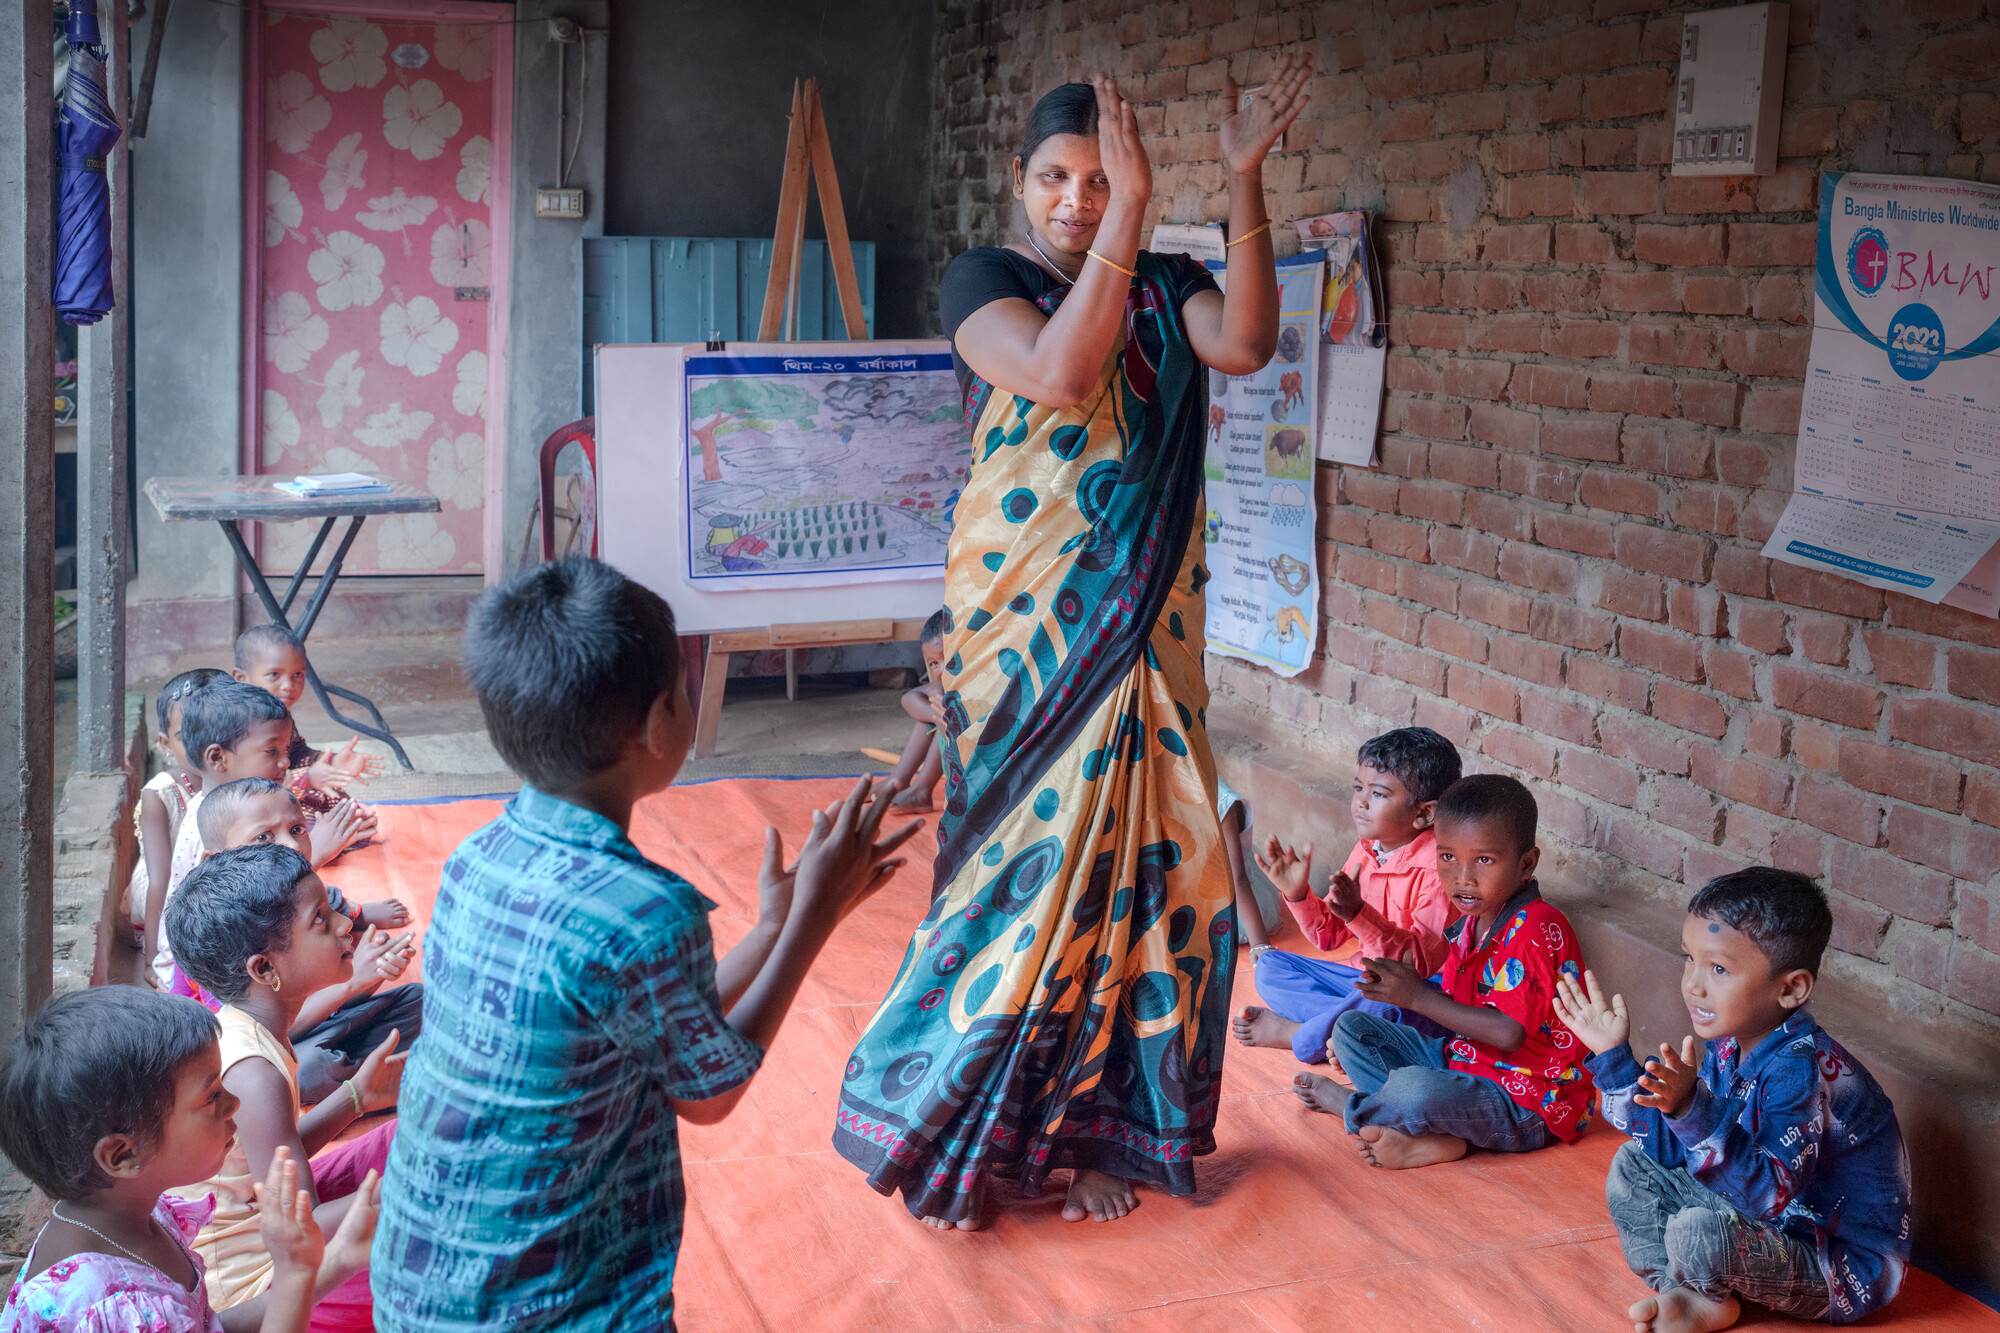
{"x": 1292, "y": 385}
{"x": 1216, "y": 416}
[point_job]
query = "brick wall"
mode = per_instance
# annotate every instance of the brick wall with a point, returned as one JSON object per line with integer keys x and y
{"x": 1593, "y": 386}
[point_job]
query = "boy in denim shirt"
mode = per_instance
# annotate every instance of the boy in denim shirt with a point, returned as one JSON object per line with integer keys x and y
{"x": 1774, "y": 1170}
{"x": 574, "y": 1009}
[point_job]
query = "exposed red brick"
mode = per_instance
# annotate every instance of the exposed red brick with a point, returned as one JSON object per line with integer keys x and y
{"x": 1520, "y": 750}
{"x": 1614, "y": 684}
{"x": 1982, "y": 796}
{"x": 1707, "y": 509}
{"x": 1367, "y": 571}
{"x": 1417, "y": 583}
{"x": 1642, "y": 843}
{"x": 1641, "y": 292}
{"x": 1710, "y": 402}
{"x": 1684, "y": 247}
{"x": 1441, "y": 502}
{"x": 1573, "y": 532}
{"x": 1535, "y": 196}
{"x": 1455, "y": 724}
{"x": 1371, "y": 489}
{"x": 1483, "y": 691}
{"x": 1732, "y": 673}
{"x": 1975, "y": 978}
{"x": 1455, "y": 638}
{"x": 1592, "y": 774}
{"x": 1677, "y": 555}
{"x": 1709, "y": 294}
{"x": 1900, "y": 659}
{"x": 1770, "y": 244}
{"x": 1916, "y": 894}
{"x": 1824, "y": 592}
{"x": 1570, "y": 625}
{"x": 1617, "y": 96}
{"x": 1638, "y": 595}
{"x": 1741, "y": 779}
{"x": 1620, "y": 192}
{"x": 1533, "y": 567}
{"x": 1822, "y": 638}
{"x": 1505, "y": 427}
{"x": 1467, "y": 549}
{"x": 1527, "y": 659}
{"x": 1502, "y": 608}
{"x": 1946, "y": 622}
{"x": 1964, "y": 850}
{"x": 1423, "y": 670}
{"x": 1833, "y": 698}
{"x": 1579, "y": 339}
{"x": 1743, "y": 571}
{"x": 1971, "y": 674}
{"x": 1690, "y": 710}
{"x": 1839, "y": 810}
{"x": 1544, "y": 479}
{"x": 1555, "y": 386}
{"x": 1394, "y": 619}
{"x": 1764, "y": 734}
{"x": 1697, "y": 610}
{"x": 1776, "y": 353}
{"x": 1645, "y": 743}
{"x": 1399, "y": 537}
{"x": 1674, "y": 343}
{"x": 1589, "y": 437}
{"x": 1548, "y": 715}
{"x": 1502, "y": 515}
{"x": 1684, "y": 806}
{"x": 1662, "y": 651}
{"x": 1646, "y": 395}
{"x": 1385, "y": 699}
{"x": 1966, "y": 730}
{"x": 1908, "y": 775}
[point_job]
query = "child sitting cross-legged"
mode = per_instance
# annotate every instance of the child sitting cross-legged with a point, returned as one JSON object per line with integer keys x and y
{"x": 1386, "y": 898}
{"x": 574, "y": 1009}
{"x": 163, "y": 804}
{"x": 338, "y": 1026}
{"x": 111, "y": 1097}
{"x": 272, "y": 658}
{"x": 1769, "y": 1168}
{"x": 922, "y": 763}
{"x": 1507, "y": 1076}
{"x": 253, "y": 927}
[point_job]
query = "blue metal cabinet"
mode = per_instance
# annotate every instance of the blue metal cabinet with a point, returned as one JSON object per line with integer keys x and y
{"x": 683, "y": 289}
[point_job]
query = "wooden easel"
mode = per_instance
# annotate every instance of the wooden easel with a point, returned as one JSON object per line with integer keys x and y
{"x": 808, "y": 154}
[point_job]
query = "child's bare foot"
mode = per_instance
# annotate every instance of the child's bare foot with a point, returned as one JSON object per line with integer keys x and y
{"x": 1320, "y": 1093}
{"x": 914, "y": 801}
{"x": 1258, "y": 1026}
{"x": 1393, "y": 1150}
{"x": 387, "y": 914}
{"x": 1683, "y": 1310}
{"x": 1099, "y": 1197}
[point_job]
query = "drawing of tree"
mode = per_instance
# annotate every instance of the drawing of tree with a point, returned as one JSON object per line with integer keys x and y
{"x": 732, "y": 399}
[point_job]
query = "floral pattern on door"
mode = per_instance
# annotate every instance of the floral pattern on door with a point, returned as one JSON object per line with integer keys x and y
{"x": 377, "y": 259}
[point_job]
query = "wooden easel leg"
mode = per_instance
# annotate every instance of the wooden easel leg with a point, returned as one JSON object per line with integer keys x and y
{"x": 792, "y": 674}
{"x": 708, "y": 718}
{"x": 838, "y": 248}
{"x": 786, "y": 237}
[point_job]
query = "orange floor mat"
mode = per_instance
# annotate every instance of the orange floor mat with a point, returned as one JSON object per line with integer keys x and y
{"x": 1291, "y": 1230}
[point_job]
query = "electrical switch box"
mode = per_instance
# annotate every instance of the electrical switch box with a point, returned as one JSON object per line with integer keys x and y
{"x": 1728, "y": 95}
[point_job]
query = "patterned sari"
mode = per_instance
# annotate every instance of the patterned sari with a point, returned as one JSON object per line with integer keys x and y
{"x": 1064, "y": 1002}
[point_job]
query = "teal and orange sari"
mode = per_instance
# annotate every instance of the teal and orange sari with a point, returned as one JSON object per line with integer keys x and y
{"x": 1064, "y": 1003}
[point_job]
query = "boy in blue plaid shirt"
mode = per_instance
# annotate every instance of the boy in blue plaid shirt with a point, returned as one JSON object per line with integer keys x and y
{"x": 573, "y": 1006}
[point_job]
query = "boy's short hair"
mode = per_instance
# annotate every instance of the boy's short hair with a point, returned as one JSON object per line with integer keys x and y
{"x": 936, "y": 627}
{"x": 218, "y": 807}
{"x": 1422, "y": 760}
{"x": 264, "y": 639}
{"x": 182, "y": 687}
{"x": 94, "y": 1062}
{"x": 1492, "y": 796}
{"x": 567, "y": 659}
{"x": 223, "y": 713}
{"x": 1783, "y": 912}
{"x": 236, "y": 904}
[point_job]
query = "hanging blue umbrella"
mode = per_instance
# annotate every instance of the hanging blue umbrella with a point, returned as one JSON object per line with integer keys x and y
{"x": 86, "y": 128}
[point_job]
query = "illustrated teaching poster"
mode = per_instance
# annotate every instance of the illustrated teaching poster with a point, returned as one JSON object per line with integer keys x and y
{"x": 1897, "y": 474}
{"x": 1263, "y": 597}
{"x": 820, "y": 470}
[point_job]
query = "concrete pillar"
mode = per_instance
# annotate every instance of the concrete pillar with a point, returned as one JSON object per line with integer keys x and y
{"x": 27, "y": 516}
{"x": 101, "y": 505}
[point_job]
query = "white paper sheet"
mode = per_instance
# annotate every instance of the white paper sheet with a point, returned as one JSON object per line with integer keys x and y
{"x": 1187, "y": 238}
{"x": 1350, "y": 401}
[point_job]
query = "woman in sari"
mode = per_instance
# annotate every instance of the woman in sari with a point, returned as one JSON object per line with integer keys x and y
{"x": 1064, "y": 1003}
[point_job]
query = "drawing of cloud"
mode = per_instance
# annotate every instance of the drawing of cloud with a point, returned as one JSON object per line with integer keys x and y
{"x": 1287, "y": 494}
{"x": 870, "y": 399}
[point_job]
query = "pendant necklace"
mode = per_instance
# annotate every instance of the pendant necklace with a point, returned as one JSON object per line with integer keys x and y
{"x": 1046, "y": 260}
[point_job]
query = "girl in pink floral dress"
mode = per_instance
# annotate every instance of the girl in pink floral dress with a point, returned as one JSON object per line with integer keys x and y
{"x": 112, "y": 1096}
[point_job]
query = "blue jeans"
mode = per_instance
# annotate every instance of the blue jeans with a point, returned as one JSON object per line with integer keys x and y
{"x": 1676, "y": 1232}
{"x": 1314, "y": 993}
{"x": 1401, "y": 1083}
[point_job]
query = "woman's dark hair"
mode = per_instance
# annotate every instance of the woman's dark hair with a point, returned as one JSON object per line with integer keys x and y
{"x": 183, "y": 687}
{"x": 1069, "y": 108}
{"x": 1490, "y": 796}
{"x": 1421, "y": 759}
{"x": 91, "y": 1063}
{"x": 567, "y": 659}
{"x": 223, "y": 713}
{"x": 233, "y": 906}
{"x": 1783, "y": 912}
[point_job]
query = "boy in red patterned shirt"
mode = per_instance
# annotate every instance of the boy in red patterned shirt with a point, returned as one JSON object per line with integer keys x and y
{"x": 1511, "y": 1077}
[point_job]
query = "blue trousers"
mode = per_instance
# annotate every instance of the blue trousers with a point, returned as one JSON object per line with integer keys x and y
{"x": 1314, "y": 993}
{"x": 1401, "y": 1082}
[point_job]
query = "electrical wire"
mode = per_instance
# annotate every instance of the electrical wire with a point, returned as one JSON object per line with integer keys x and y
{"x": 582, "y": 107}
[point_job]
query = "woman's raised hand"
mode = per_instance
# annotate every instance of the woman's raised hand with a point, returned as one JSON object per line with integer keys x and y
{"x": 1126, "y": 167}
{"x": 1249, "y": 131}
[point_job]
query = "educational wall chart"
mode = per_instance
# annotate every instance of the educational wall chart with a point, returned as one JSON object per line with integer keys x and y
{"x": 1263, "y": 595}
{"x": 1897, "y": 473}
{"x": 817, "y": 469}
{"x": 1353, "y": 345}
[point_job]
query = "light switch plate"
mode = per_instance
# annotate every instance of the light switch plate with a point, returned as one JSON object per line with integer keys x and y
{"x": 555, "y": 203}
{"x": 1730, "y": 91}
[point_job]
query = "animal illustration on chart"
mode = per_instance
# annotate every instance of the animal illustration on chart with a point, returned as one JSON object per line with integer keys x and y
{"x": 1290, "y": 622}
{"x": 1291, "y": 391}
{"x": 1290, "y": 573}
{"x": 1216, "y": 418}
{"x": 1285, "y": 453}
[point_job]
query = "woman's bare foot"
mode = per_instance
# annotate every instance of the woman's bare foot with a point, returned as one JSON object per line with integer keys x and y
{"x": 1393, "y": 1150}
{"x": 973, "y": 1221}
{"x": 1683, "y": 1310}
{"x": 1099, "y": 1197}
{"x": 1258, "y": 1026}
{"x": 1320, "y": 1093}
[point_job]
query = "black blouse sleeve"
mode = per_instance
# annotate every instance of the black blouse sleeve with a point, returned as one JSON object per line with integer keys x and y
{"x": 978, "y": 278}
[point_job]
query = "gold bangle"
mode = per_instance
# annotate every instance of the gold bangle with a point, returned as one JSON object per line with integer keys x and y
{"x": 1248, "y": 234}
{"x": 1128, "y": 272}
{"x": 355, "y": 1093}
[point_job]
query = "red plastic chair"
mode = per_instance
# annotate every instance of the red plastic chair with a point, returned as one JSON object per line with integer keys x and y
{"x": 583, "y": 435}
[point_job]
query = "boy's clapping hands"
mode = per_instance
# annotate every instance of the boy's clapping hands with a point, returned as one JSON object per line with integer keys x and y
{"x": 1602, "y": 1025}
{"x": 1291, "y": 871}
{"x": 380, "y": 958}
{"x": 843, "y": 862}
{"x": 1669, "y": 1079}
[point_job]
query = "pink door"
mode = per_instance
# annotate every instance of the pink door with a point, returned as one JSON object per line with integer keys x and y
{"x": 379, "y": 204}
